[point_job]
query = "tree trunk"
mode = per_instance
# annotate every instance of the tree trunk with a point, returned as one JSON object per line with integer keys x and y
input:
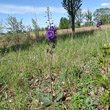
{"x": 73, "y": 25}
{"x": 79, "y": 25}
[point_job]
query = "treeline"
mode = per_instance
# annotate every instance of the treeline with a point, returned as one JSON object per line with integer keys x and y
{"x": 12, "y": 25}
{"x": 82, "y": 18}
{"x": 87, "y": 18}
{"x": 16, "y": 31}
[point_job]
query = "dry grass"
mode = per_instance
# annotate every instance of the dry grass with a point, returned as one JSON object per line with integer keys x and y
{"x": 82, "y": 29}
{"x": 24, "y": 71}
{"x": 59, "y": 32}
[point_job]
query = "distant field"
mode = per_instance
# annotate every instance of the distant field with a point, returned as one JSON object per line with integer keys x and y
{"x": 7, "y": 40}
{"x": 65, "y": 31}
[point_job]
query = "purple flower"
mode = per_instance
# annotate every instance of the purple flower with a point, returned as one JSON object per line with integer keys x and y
{"x": 50, "y": 35}
{"x": 98, "y": 24}
{"x": 48, "y": 30}
{"x": 52, "y": 28}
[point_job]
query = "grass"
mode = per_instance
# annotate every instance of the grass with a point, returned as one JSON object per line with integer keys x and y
{"x": 23, "y": 70}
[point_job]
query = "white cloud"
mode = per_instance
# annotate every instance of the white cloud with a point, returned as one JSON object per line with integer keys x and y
{"x": 105, "y": 4}
{"x": 14, "y": 9}
{"x": 58, "y": 10}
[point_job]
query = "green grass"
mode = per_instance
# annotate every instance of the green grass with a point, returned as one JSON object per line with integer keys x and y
{"x": 71, "y": 55}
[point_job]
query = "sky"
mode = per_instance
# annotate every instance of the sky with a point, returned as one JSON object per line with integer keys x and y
{"x": 28, "y": 9}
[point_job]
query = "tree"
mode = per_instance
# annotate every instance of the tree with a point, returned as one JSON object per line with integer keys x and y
{"x": 79, "y": 17}
{"x": 13, "y": 25}
{"x": 64, "y": 23}
{"x": 1, "y": 26}
{"x": 72, "y": 6}
{"x": 88, "y": 17}
{"x": 34, "y": 23}
{"x": 28, "y": 28}
{"x": 102, "y": 14}
{"x": 15, "y": 29}
{"x": 35, "y": 26}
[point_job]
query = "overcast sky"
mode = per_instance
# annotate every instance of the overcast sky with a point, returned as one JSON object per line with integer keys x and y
{"x": 27, "y": 9}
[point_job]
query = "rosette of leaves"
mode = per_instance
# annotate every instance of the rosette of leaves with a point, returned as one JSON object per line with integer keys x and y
{"x": 105, "y": 49}
{"x": 100, "y": 60}
{"x": 104, "y": 81}
{"x": 46, "y": 99}
{"x": 83, "y": 102}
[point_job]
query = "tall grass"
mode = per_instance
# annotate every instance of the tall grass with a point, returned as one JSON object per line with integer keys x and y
{"x": 18, "y": 67}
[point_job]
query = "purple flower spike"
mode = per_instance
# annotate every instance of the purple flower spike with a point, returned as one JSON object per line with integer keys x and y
{"x": 51, "y": 34}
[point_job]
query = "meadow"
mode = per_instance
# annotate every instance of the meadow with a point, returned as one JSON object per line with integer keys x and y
{"x": 77, "y": 66}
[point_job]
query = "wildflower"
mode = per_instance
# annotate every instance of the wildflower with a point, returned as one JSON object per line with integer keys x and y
{"x": 52, "y": 28}
{"x": 50, "y": 35}
{"x": 48, "y": 30}
{"x": 98, "y": 24}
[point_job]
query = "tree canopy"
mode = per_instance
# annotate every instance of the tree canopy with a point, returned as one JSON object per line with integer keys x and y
{"x": 79, "y": 17}
{"x": 72, "y": 6}
{"x": 64, "y": 23}
{"x": 102, "y": 14}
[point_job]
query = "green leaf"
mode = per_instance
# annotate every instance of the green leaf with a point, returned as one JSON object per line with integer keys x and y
{"x": 102, "y": 99}
{"x": 95, "y": 103}
{"x": 81, "y": 96}
{"x": 109, "y": 88}
{"x": 50, "y": 96}
{"x": 99, "y": 77}
{"x": 88, "y": 101}
{"x": 104, "y": 85}
{"x": 60, "y": 96}
{"x": 46, "y": 101}
{"x": 105, "y": 94}
{"x": 55, "y": 104}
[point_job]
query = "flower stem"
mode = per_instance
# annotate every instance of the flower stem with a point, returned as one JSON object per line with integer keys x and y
{"x": 104, "y": 61}
{"x": 51, "y": 57}
{"x": 52, "y": 92}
